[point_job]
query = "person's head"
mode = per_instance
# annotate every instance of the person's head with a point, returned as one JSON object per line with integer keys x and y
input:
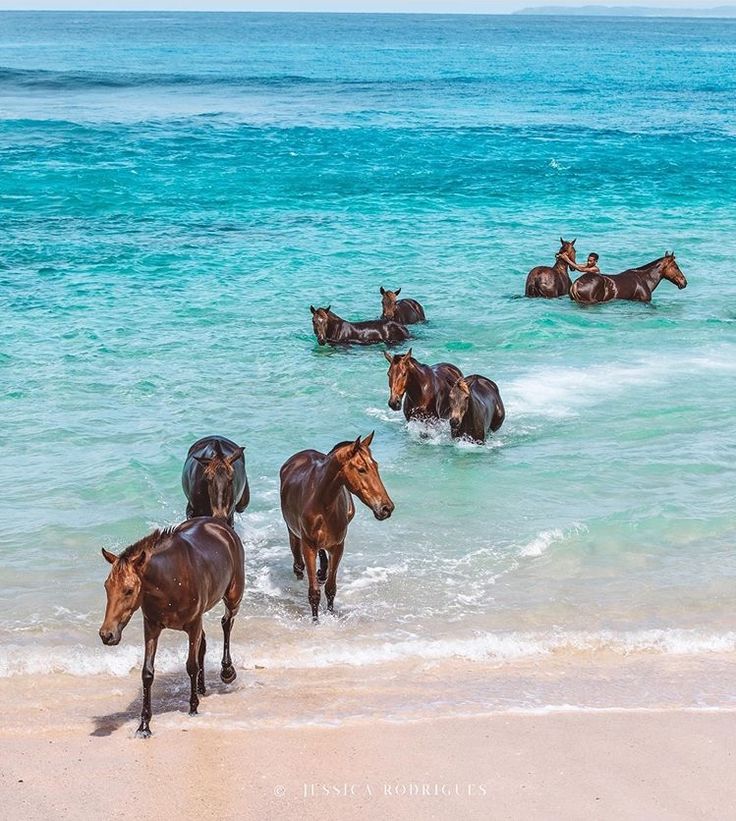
{"x": 593, "y": 259}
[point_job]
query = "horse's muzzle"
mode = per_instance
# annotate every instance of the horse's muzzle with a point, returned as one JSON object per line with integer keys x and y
{"x": 109, "y": 637}
{"x": 383, "y": 512}
{"x": 682, "y": 284}
{"x": 394, "y": 404}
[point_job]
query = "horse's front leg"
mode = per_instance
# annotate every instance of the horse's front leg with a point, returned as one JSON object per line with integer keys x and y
{"x": 232, "y": 604}
{"x": 151, "y": 633}
{"x": 310, "y": 560}
{"x": 296, "y": 551}
{"x": 331, "y": 586}
{"x": 194, "y": 631}
{"x": 200, "y": 676}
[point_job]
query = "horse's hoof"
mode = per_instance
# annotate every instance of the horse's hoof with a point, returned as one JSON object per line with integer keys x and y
{"x": 228, "y": 675}
{"x": 299, "y": 574}
{"x": 193, "y": 711}
{"x": 143, "y": 732}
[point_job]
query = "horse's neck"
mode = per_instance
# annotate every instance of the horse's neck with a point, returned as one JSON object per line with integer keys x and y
{"x": 560, "y": 266}
{"x": 420, "y": 376}
{"x": 329, "y": 478}
{"x": 337, "y": 323}
{"x": 651, "y": 275}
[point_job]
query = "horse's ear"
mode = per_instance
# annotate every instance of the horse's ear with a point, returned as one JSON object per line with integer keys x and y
{"x": 218, "y": 448}
{"x": 388, "y": 356}
{"x": 356, "y": 447}
{"x": 109, "y": 557}
{"x": 383, "y": 291}
{"x": 312, "y": 309}
{"x": 397, "y": 291}
{"x": 562, "y": 241}
{"x": 140, "y": 559}
{"x": 237, "y": 453}
{"x": 327, "y": 309}
{"x": 574, "y": 241}
{"x": 202, "y": 460}
{"x": 407, "y": 355}
{"x": 368, "y": 439}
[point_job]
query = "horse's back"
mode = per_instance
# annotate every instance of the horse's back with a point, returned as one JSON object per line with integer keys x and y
{"x": 410, "y": 311}
{"x": 447, "y": 372}
{"x": 486, "y": 391}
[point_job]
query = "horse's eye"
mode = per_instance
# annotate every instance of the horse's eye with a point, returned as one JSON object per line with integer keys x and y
{"x": 128, "y": 591}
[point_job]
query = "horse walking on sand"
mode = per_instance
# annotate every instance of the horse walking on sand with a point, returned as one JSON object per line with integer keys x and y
{"x": 214, "y": 479}
{"x": 635, "y": 284}
{"x": 175, "y": 576}
{"x": 475, "y": 408}
{"x": 425, "y": 389}
{"x": 329, "y": 327}
{"x": 317, "y": 506}
{"x": 406, "y": 311}
{"x": 552, "y": 281}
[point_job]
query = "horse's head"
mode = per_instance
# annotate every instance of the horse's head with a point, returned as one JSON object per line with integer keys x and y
{"x": 671, "y": 270}
{"x": 567, "y": 248}
{"x": 389, "y": 299}
{"x": 123, "y": 587}
{"x": 360, "y": 472}
{"x": 459, "y": 400}
{"x": 218, "y": 473}
{"x": 398, "y": 374}
{"x": 320, "y": 322}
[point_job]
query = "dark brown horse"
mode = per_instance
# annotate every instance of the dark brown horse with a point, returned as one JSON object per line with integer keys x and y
{"x": 552, "y": 281}
{"x": 175, "y": 576}
{"x": 635, "y": 283}
{"x": 475, "y": 408}
{"x": 214, "y": 479}
{"x": 425, "y": 389}
{"x": 329, "y": 327}
{"x": 317, "y": 506}
{"x": 406, "y": 311}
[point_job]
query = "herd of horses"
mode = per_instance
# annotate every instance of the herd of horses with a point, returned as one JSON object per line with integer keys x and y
{"x": 177, "y": 574}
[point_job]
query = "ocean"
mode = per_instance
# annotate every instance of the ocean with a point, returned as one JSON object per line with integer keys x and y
{"x": 177, "y": 189}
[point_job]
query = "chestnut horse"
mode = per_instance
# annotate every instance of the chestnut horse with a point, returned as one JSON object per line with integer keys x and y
{"x": 475, "y": 408}
{"x": 425, "y": 388}
{"x": 552, "y": 281}
{"x": 214, "y": 479}
{"x": 317, "y": 507}
{"x": 175, "y": 576}
{"x": 406, "y": 311}
{"x": 329, "y": 327}
{"x": 635, "y": 284}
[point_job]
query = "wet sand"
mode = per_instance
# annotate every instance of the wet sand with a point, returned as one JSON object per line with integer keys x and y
{"x": 86, "y": 763}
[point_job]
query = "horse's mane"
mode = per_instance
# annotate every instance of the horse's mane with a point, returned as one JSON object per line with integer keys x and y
{"x": 146, "y": 543}
{"x": 646, "y": 265}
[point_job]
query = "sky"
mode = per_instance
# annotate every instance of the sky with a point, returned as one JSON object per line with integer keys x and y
{"x": 416, "y": 6}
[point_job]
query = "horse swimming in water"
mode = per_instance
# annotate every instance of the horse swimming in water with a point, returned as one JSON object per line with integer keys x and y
{"x": 214, "y": 479}
{"x": 329, "y": 327}
{"x": 425, "y": 389}
{"x": 552, "y": 281}
{"x": 175, "y": 576}
{"x": 475, "y": 408}
{"x": 317, "y": 506}
{"x": 406, "y": 311}
{"x": 635, "y": 284}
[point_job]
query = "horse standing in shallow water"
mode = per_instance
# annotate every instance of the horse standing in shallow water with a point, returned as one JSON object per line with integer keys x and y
{"x": 475, "y": 408}
{"x": 425, "y": 388}
{"x": 175, "y": 576}
{"x": 317, "y": 507}
{"x": 214, "y": 479}
{"x": 635, "y": 284}
{"x": 552, "y": 281}
{"x": 406, "y": 311}
{"x": 329, "y": 327}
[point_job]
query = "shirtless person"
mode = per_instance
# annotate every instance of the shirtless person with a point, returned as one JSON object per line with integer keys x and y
{"x": 590, "y": 267}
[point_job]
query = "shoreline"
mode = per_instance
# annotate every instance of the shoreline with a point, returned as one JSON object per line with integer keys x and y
{"x": 556, "y": 765}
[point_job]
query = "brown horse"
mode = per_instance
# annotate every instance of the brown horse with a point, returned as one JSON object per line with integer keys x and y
{"x": 214, "y": 479}
{"x": 317, "y": 507}
{"x": 552, "y": 281}
{"x": 475, "y": 408}
{"x": 176, "y": 575}
{"x": 329, "y": 327}
{"x": 406, "y": 311}
{"x": 635, "y": 284}
{"x": 425, "y": 389}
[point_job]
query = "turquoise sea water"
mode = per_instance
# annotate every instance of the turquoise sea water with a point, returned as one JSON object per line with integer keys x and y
{"x": 175, "y": 190}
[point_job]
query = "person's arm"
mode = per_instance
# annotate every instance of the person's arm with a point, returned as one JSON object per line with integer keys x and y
{"x": 572, "y": 264}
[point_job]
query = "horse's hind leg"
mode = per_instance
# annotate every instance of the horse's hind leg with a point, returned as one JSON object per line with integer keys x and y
{"x": 200, "y": 676}
{"x": 151, "y": 633}
{"x": 323, "y": 563}
{"x": 244, "y": 500}
{"x": 232, "y": 605}
{"x": 331, "y": 586}
{"x": 194, "y": 631}
{"x": 296, "y": 549}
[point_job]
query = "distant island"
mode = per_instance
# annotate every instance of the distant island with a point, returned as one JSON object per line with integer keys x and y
{"x": 630, "y": 11}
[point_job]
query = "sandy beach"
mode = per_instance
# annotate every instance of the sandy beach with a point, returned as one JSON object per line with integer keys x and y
{"x": 78, "y": 758}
